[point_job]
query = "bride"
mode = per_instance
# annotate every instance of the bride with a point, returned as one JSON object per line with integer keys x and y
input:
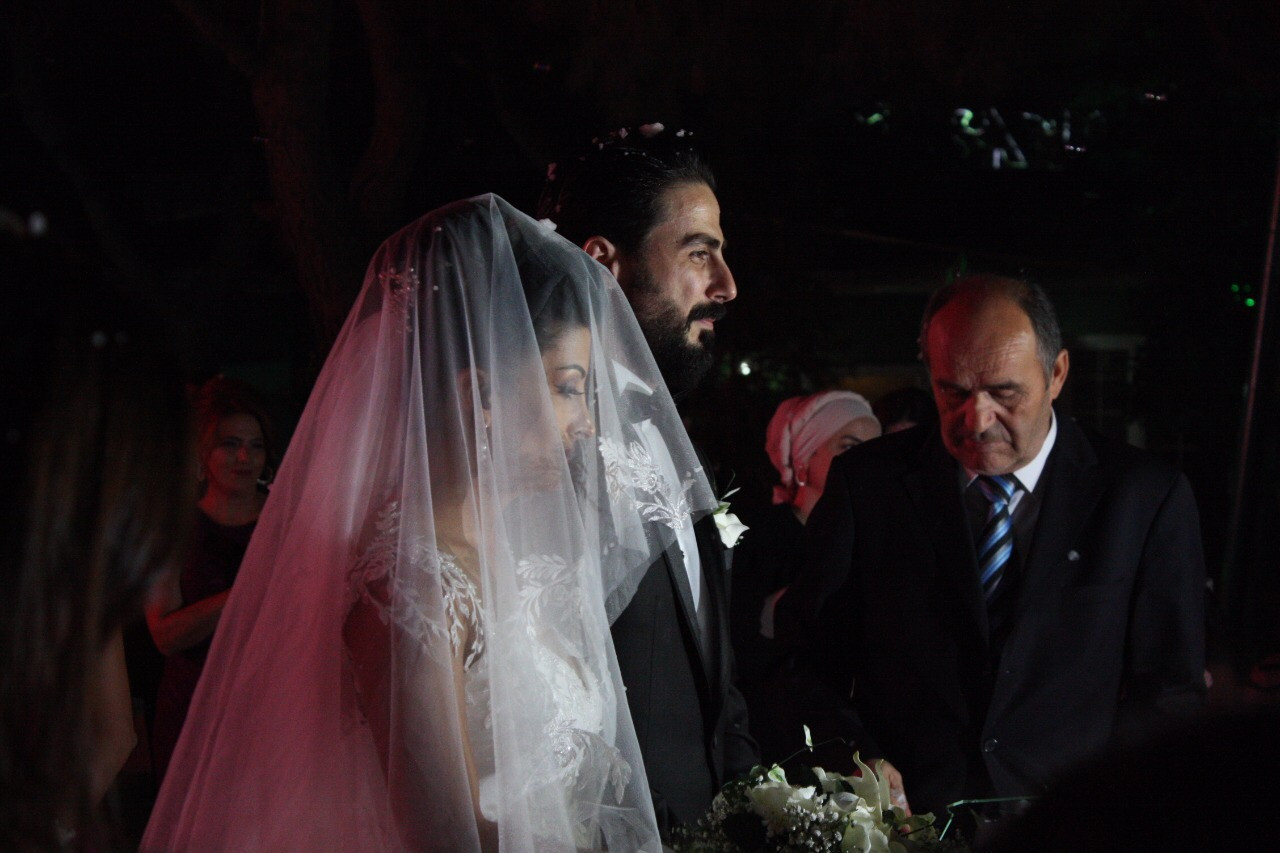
{"x": 416, "y": 653}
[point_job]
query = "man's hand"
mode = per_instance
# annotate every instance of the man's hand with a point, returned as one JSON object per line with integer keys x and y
{"x": 897, "y": 794}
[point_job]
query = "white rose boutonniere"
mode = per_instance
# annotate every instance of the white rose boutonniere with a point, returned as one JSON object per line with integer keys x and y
{"x": 731, "y": 529}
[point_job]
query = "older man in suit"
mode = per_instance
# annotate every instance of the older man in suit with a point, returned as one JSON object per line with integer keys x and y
{"x": 643, "y": 203}
{"x": 1005, "y": 595}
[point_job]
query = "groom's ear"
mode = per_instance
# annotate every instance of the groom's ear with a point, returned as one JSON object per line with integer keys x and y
{"x": 604, "y": 251}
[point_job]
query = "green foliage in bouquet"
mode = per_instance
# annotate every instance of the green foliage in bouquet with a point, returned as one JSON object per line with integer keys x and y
{"x": 821, "y": 811}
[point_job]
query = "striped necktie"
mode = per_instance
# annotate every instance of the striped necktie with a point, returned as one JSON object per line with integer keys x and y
{"x": 995, "y": 545}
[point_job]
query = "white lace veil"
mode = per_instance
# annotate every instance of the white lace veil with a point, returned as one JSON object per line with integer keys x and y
{"x": 416, "y": 653}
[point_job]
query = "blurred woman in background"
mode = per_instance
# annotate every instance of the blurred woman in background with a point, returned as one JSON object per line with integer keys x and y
{"x": 235, "y": 456}
{"x": 804, "y": 435}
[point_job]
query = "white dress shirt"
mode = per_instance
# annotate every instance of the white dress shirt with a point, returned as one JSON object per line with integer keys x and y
{"x": 1028, "y": 475}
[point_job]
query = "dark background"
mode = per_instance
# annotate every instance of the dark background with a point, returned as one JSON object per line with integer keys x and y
{"x": 232, "y": 165}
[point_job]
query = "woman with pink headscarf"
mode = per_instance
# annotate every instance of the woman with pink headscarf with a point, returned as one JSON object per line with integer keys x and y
{"x": 804, "y": 435}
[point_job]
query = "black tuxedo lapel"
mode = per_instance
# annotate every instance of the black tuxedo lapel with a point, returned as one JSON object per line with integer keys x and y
{"x": 712, "y": 551}
{"x": 933, "y": 486}
{"x": 1073, "y": 484}
{"x": 679, "y": 576}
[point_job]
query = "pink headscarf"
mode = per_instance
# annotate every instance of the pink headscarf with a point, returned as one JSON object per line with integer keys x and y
{"x": 800, "y": 426}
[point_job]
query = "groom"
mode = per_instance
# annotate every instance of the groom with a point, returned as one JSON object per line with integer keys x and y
{"x": 642, "y": 202}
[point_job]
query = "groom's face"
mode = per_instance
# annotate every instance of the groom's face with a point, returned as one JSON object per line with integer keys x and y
{"x": 678, "y": 284}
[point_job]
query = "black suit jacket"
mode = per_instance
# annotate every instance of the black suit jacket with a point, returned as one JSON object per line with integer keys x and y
{"x": 1105, "y": 639}
{"x": 690, "y": 719}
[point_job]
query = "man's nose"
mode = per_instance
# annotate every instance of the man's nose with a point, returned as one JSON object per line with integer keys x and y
{"x": 980, "y": 414}
{"x": 723, "y": 287}
{"x": 242, "y": 452}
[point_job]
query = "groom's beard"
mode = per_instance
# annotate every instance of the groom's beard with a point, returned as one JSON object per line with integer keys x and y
{"x": 681, "y": 362}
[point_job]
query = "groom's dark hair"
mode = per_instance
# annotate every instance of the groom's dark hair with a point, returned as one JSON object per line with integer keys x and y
{"x": 614, "y": 187}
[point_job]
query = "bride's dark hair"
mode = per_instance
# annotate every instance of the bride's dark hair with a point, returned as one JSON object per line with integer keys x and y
{"x": 555, "y": 304}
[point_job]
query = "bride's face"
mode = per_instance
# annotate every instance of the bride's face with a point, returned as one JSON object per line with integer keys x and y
{"x": 567, "y": 364}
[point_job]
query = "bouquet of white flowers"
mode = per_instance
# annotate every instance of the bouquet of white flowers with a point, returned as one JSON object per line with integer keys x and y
{"x": 823, "y": 812}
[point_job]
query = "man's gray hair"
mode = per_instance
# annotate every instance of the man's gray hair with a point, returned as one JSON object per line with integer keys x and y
{"x": 1025, "y": 294}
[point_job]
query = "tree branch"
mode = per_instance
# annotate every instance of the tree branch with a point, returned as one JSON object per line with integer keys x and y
{"x": 379, "y": 186}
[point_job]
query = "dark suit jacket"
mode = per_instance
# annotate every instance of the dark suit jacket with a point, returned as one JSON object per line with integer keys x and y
{"x": 1105, "y": 638}
{"x": 690, "y": 720}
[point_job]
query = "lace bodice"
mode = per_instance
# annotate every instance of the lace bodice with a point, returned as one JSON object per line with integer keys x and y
{"x": 575, "y": 749}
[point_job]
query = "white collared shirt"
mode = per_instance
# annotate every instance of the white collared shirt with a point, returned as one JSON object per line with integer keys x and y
{"x": 1028, "y": 475}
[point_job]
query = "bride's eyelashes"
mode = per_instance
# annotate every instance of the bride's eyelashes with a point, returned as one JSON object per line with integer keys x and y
{"x": 570, "y": 390}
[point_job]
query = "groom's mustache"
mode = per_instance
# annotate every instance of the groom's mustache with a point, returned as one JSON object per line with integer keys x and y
{"x": 707, "y": 311}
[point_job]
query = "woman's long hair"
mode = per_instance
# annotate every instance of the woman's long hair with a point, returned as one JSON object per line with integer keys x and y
{"x": 96, "y": 497}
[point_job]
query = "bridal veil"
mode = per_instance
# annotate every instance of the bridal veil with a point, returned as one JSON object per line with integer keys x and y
{"x": 416, "y": 652}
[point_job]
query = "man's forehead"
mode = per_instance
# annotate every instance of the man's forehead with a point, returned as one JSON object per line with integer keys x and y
{"x": 688, "y": 213}
{"x": 989, "y": 363}
{"x": 981, "y": 324}
{"x": 986, "y": 354}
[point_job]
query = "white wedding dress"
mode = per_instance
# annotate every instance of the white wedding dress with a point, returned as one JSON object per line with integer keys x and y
{"x": 576, "y": 753}
{"x": 416, "y": 653}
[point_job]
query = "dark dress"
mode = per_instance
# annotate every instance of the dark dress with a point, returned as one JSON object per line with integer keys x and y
{"x": 780, "y": 690}
{"x": 211, "y": 567}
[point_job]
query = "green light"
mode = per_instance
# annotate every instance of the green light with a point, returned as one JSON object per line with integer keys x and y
{"x": 1250, "y": 302}
{"x": 1235, "y": 288}
{"x": 875, "y": 118}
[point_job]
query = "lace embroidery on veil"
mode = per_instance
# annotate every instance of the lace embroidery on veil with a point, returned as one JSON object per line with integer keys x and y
{"x": 631, "y": 473}
{"x": 403, "y": 603}
{"x": 550, "y": 597}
